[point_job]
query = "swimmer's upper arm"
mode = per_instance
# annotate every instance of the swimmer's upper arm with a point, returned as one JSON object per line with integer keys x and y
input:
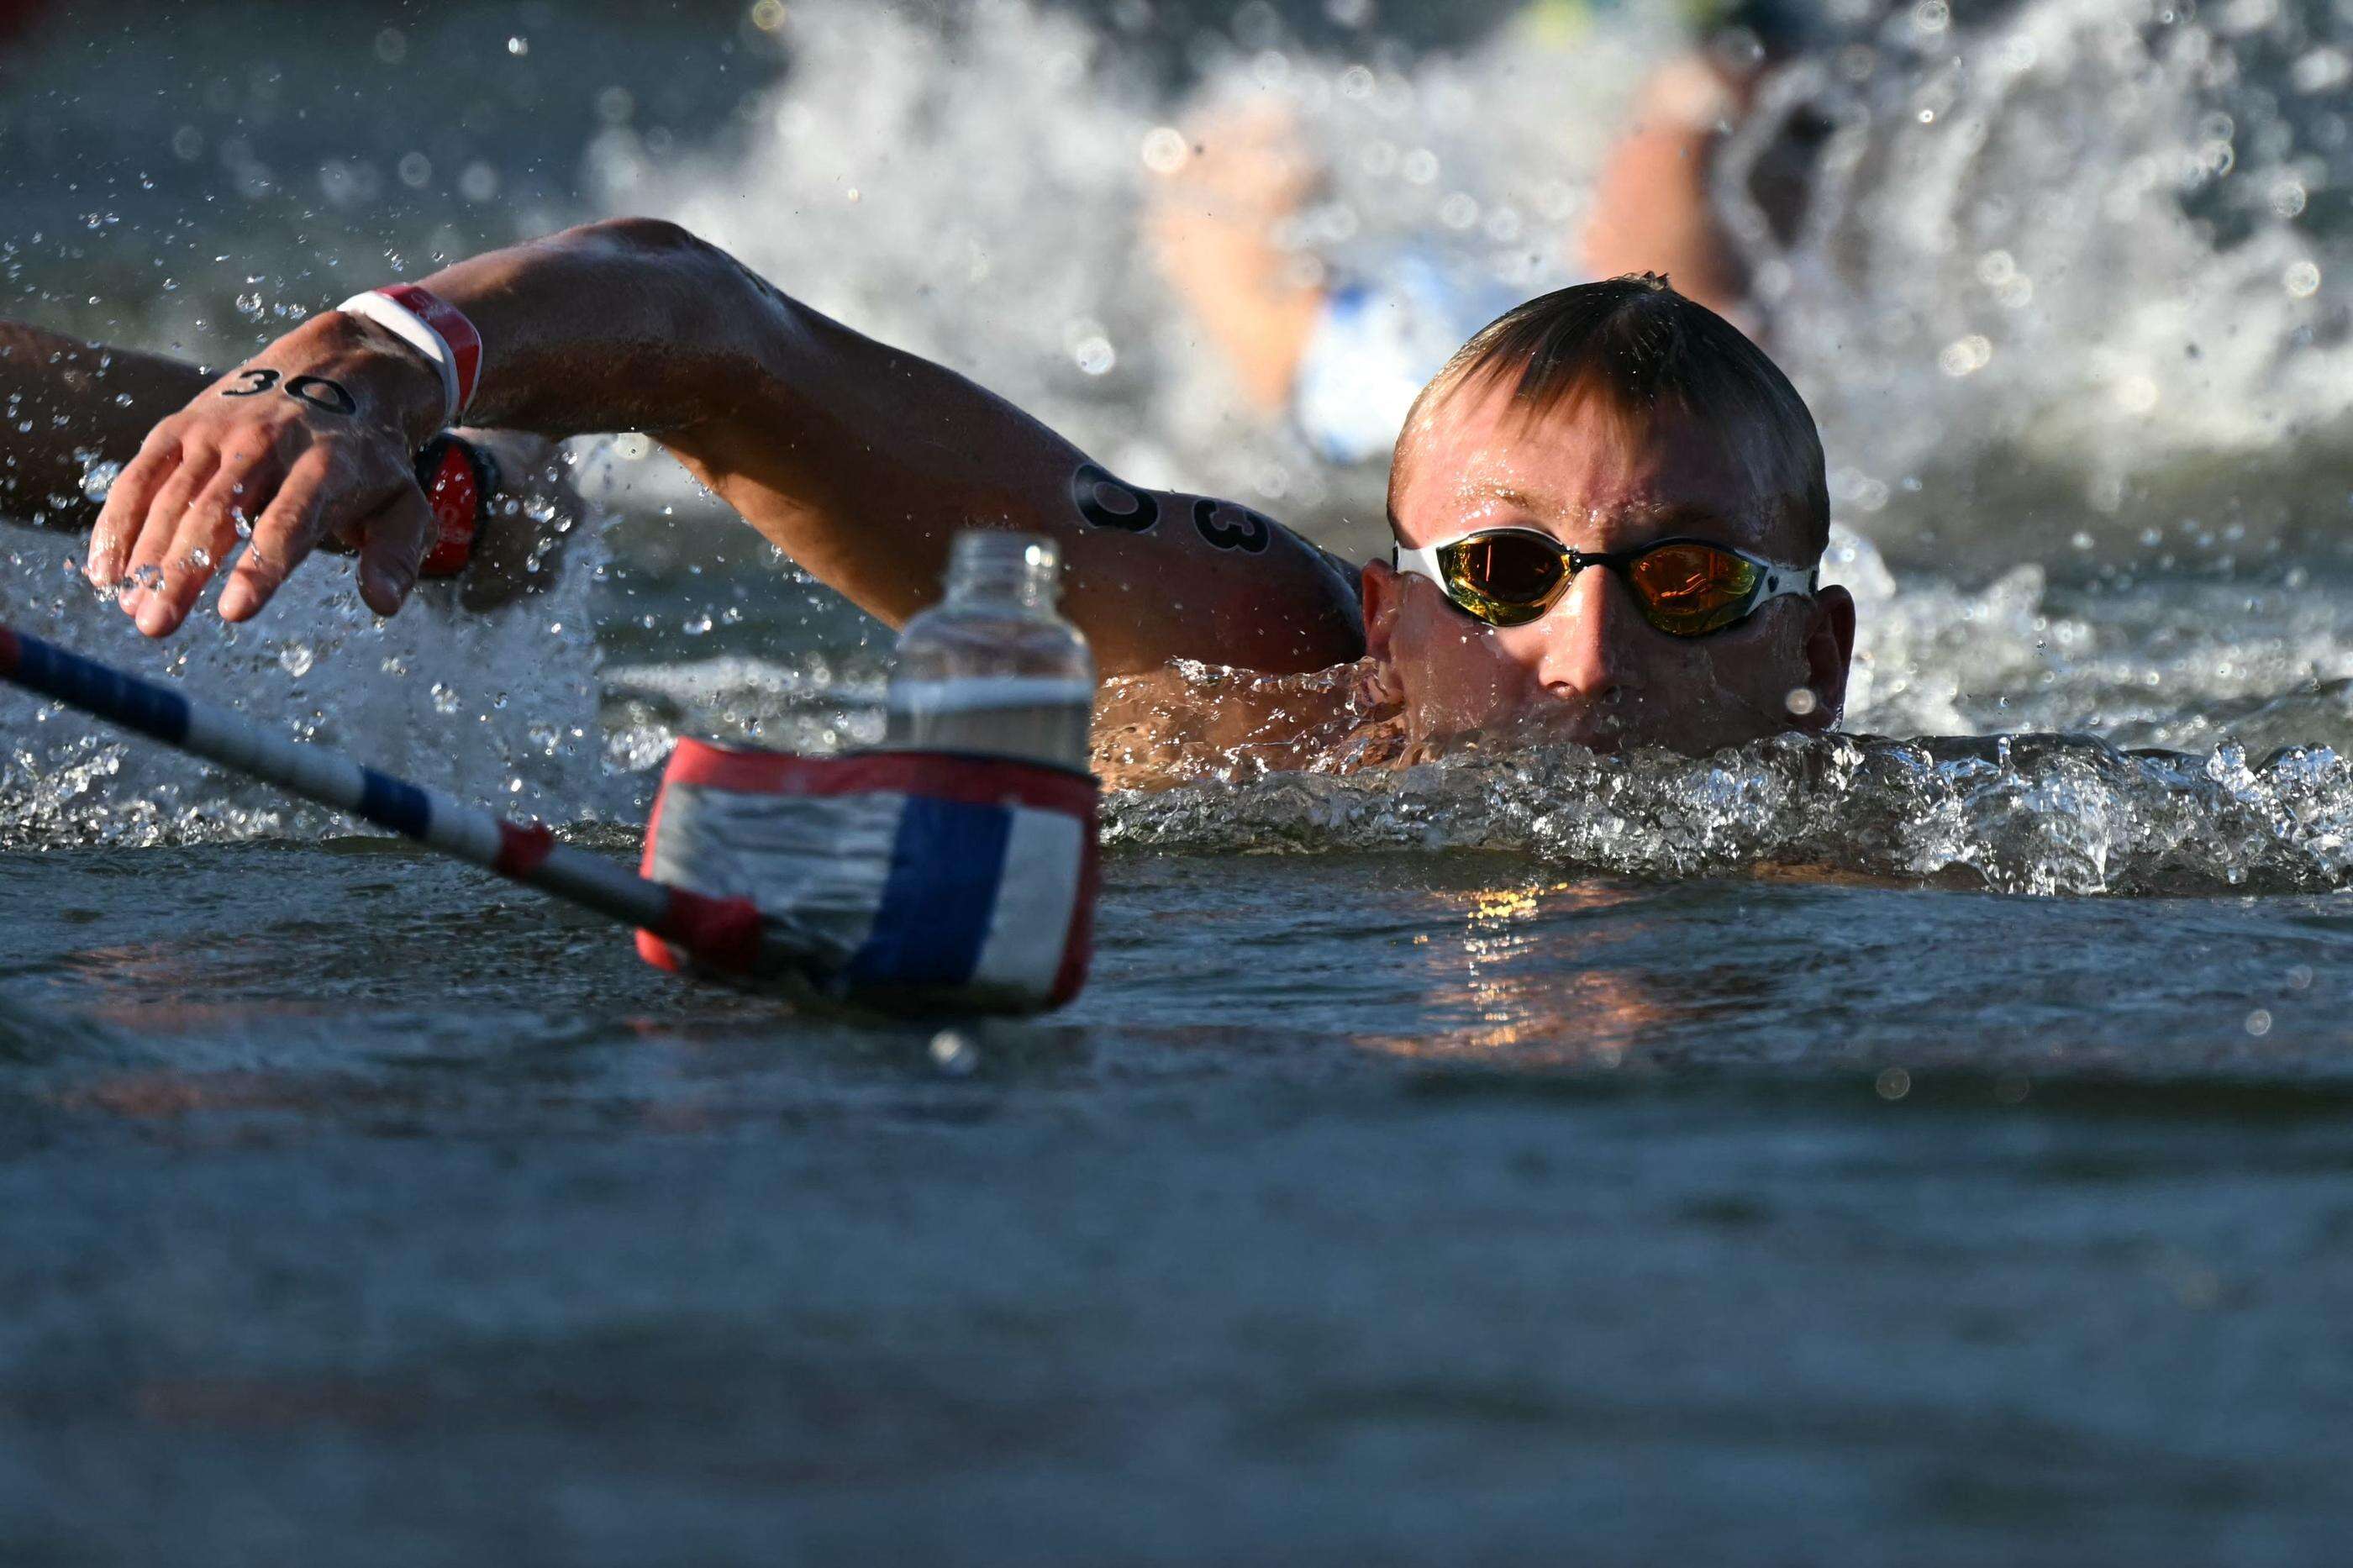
{"x": 860, "y": 461}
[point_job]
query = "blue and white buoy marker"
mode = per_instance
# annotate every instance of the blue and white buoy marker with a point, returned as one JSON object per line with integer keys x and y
{"x": 722, "y": 934}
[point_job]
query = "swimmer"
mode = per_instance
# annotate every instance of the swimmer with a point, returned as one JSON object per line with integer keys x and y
{"x": 1608, "y": 508}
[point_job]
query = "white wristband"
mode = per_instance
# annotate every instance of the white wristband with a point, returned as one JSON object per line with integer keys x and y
{"x": 457, "y": 365}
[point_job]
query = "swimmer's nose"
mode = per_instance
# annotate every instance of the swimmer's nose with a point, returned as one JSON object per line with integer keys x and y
{"x": 1591, "y": 641}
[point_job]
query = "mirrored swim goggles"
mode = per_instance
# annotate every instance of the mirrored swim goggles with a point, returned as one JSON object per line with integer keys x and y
{"x": 1685, "y": 588}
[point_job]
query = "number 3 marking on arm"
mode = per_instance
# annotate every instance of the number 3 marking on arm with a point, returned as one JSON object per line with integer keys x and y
{"x": 257, "y": 382}
{"x": 1229, "y": 527}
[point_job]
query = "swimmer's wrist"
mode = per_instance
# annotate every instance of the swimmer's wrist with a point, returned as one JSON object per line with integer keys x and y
{"x": 396, "y": 385}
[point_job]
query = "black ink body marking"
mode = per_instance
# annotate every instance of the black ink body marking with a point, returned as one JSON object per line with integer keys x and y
{"x": 338, "y": 401}
{"x": 1229, "y": 527}
{"x": 315, "y": 390}
{"x": 1105, "y": 503}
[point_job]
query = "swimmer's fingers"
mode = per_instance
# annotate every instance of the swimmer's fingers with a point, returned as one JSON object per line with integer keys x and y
{"x": 128, "y": 500}
{"x": 389, "y": 518}
{"x": 207, "y": 533}
{"x": 161, "y": 527}
{"x": 519, "y": 547}
{"x": 393, "y": 545}
{"x": 289, "y": 528}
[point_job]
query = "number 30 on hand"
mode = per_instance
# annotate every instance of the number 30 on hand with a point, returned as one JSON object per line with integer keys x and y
{"x": 308, "y": 388}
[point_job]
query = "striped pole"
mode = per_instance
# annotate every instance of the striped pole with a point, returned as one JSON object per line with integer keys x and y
{"x": 721, "y": 932}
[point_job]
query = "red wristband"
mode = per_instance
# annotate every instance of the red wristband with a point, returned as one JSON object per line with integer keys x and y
{"x": 456, "y": 483}
{"x": 434, "y": 328}
{"x": 465, "y": 342}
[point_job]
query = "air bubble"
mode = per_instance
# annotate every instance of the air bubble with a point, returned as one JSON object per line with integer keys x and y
{"x": 954, "y": 1054}
{"x": 1164, "y": 151}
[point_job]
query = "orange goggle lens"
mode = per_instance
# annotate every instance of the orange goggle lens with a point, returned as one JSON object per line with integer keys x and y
{"x": 1505, "y": 579}
{"x": 1689, "y": 590}
{"x": 1684, "y": 589}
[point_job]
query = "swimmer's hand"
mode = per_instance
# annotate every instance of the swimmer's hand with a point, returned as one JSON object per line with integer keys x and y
{"x": 535, "y": 514}
{"x": 311, "y": 442}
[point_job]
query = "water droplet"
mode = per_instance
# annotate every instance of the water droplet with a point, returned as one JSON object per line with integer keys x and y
{"x": 1164, "y": 151}
{"x": 954, "y": 1053}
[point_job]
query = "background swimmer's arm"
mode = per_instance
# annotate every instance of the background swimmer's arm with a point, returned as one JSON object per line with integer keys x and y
{"x": 1651, "y": 209}
{"x": 71, "y": 393}
{"x": 860, "y": 461}
{"x": 1211, "y": 220}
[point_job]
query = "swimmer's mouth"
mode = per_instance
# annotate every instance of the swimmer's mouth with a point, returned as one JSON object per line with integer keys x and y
{"x": 1604, "y": 726}
{"x": 1602, "y": 736}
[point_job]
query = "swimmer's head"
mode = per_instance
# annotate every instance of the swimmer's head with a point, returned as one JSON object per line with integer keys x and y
{"x": 1609, "y": 417}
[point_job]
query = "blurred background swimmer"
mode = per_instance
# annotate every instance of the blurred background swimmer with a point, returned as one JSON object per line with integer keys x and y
{"x": 1340, "y": 347}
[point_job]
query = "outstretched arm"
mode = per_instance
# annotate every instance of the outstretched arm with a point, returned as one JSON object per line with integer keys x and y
{"x": 858, "y": 460}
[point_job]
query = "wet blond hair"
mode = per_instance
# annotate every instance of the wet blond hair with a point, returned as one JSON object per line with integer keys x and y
{"x": 1636, "y": 347}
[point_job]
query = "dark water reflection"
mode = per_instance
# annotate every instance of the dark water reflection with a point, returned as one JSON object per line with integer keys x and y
{"x": 1437, "y": 1207}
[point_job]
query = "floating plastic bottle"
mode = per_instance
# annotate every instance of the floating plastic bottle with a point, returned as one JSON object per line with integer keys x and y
{"x": 991, "y": 669}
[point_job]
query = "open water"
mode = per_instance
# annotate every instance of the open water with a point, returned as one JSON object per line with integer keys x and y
{"x": 1929, "y": 1149}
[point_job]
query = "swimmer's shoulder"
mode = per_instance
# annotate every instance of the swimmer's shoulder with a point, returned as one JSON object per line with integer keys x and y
{"x": 1337, "y": 582}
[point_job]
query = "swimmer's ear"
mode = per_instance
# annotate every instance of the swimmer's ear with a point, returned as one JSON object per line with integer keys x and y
{"x": 1384, "y": 595}
{"x": 1830, "y": 649}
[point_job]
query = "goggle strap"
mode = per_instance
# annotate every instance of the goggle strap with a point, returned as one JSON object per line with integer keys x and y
{"x": 1423, "y": 560}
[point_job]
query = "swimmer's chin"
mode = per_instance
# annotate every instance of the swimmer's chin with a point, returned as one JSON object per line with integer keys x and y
{"x": 1521, "y": 735}
{"x": 1598, "y": 734}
